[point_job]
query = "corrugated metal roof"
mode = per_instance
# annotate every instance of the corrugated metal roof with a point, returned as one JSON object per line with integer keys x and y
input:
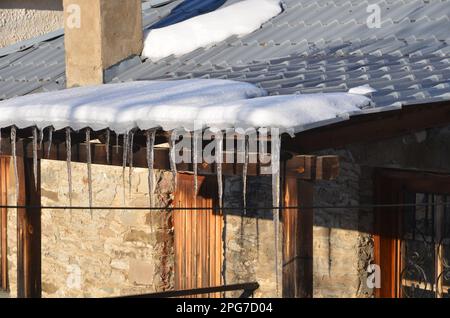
{"x": 313, "y": 46}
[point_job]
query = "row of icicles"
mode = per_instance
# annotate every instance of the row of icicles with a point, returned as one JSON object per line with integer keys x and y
{"x": 128, "y": 143}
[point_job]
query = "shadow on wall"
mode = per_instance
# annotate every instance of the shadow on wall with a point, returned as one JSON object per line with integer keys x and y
{"x": 47, "y": 5}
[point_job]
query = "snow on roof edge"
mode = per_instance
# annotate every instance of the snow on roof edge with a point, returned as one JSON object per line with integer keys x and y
{"x": 185, "y": 104}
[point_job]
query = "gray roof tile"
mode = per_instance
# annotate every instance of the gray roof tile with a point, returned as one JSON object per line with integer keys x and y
{"x": 313, "y": 46}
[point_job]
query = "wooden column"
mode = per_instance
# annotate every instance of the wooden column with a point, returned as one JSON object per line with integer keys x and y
{"x": 4, "y": 182}
{"x": 298, "y": 239}
{"x": 29, "y": 230}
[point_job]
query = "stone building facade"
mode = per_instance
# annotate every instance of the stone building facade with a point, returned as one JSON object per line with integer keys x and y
{"x": 115, "y": 252}
{"x": 343, "y": 238}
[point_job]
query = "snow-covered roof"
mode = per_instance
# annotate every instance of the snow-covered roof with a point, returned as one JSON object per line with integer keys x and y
{"x": 206, "y": 30}
{"x": 312, "y": 46}
{"x": 186, "y": 104}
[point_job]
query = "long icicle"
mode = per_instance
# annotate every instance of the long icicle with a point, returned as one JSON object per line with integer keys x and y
{"x": 89, "y": 167}
{"x": 14, "y": 155}
{"x": 124, "y": 165}
{"x": 41, "y": 138}
{"x": 275, "y": 160}
{"x": 219, "y": 171}
{"x": 130, "y": 168}
{"x": 0, "y": 140}
{"x": 50, "y": 140}
{"x": 69, "y": 162}
{"x": 245, "y": 172}
{"x": 35, "y": 154}
{"x": 117, "y": 143}
{"x": 173, "y": 165}
{"x": 219, "y": 162}
{"x": 195, "y": 163}
{"x": 150, "y": 143}
{"x": 108, "y": 141}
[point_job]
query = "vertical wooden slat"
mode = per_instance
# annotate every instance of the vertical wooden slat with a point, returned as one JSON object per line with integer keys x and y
{"x": 298, "y": 239}
{"x": 212, "y": 252}
{"x": 204, "y": 259}
{"x": 29, "y": 231}
{"x": 198, "y": 269}
{"x": 218, "y": 248}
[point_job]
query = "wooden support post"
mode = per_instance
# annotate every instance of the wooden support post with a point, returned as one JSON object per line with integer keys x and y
{"x": 298, "y": 239}
{"x": 4, "y": 181}
{"x": 28, "y": 230}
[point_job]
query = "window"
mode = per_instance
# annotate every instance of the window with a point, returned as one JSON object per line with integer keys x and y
{"x": 412, "y": 238}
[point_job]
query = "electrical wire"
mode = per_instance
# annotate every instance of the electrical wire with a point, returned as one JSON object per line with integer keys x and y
{"x": 364, "y": 206}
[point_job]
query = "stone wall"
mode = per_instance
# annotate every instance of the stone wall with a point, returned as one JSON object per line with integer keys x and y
{"x": 340, "y": 247}
{"x": 249, "y": 240}
{"x": 343, "y": 241}
{"x": 24, "y": 19}
{"x": 105, "y": 253}
{"x": 109, "y": 252}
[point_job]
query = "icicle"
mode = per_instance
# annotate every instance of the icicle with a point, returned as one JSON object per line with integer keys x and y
{"x": 195, "y": 162}
{"x": 35, "y": 154}
{"x": 150, "y": 163}
{"x": 41, "y": 138}
{"x": 14, "y": 155}
{"x": 130, "y": 170}
{"x": 108, "y": 139}
{"x": 124, "y": 164}
{"x": 219, "y": 162}
{"x": 173, "y": 164}
{"x": 244, "y": 174}
{"x": 89, "y": 166}
{"x": 117, "y": 143}
{"x": 50, "y": 140}
{"x": 69, "y": 162}
{"x": 0, "y": 140}
{"x": 275, "y": 163}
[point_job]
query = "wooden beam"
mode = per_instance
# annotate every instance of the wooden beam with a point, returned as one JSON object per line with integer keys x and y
{"x": 303, "y": 167}
{"x": 371, "y": 127}
{"x": 327, "y": 167}
{"x": 298, "y": 239}
{"x": 307, "y": 167}
{"x": 98, "y": 155}
{"x": 28, "y": 230}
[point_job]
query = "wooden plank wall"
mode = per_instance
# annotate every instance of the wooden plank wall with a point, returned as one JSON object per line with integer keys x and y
{"x": 4, "y": 176}
{"x": 198, "y": 235}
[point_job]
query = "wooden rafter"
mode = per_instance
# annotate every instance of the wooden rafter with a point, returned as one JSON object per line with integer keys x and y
{"x": 371, "y": 127}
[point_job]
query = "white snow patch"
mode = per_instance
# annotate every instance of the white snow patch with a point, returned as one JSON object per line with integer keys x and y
{"x": 284, "y": 112}
{"x": 362, "y": 90}
{"x": 208, "y": 29}
{"x": 175, "y": 104}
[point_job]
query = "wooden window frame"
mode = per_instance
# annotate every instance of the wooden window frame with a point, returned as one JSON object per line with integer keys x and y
{"x": 390, "y": 184}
